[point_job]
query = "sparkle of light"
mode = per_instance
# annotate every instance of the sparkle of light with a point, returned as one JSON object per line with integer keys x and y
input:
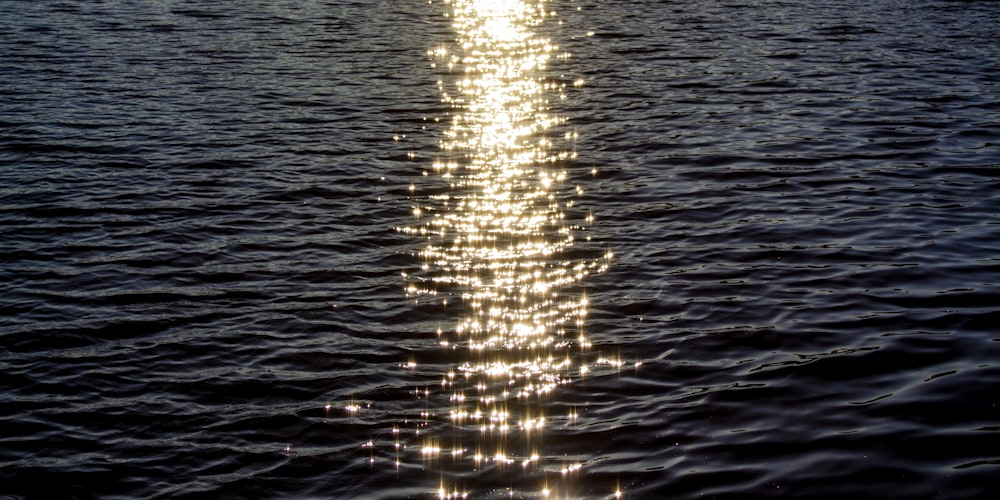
{"x": 495, "y": 212}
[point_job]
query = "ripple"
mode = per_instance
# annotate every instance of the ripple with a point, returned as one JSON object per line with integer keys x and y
{"x": 203, "y": 278}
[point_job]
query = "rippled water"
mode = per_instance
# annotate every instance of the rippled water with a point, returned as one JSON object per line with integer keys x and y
{"x": 214, "y": 280}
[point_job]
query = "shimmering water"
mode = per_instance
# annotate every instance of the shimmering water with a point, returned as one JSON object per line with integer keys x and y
{"x": 574, "y": 249}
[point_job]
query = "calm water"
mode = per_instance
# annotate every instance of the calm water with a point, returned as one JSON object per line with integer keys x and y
{"x": 569, "y": 249}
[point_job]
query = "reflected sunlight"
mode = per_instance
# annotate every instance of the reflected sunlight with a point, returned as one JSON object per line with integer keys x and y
{"x": 498, "y": 236}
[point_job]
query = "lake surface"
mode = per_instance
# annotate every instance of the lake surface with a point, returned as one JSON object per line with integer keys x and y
{"x": 500, "y": 249}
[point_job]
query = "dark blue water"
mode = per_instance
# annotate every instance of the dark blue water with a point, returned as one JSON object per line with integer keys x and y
{"x": 213, "y": 282}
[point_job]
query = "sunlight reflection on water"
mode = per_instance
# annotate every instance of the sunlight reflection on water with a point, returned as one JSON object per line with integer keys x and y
{"x": 497, "y": 236}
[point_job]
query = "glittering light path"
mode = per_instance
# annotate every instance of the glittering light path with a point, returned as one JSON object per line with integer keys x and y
{"x": 498, "y": 242}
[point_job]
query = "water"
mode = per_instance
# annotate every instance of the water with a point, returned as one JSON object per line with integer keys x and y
{"x": 724, "y": 249}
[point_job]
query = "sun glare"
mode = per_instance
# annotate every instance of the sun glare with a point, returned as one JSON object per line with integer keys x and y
{"x": 498, "y": 233}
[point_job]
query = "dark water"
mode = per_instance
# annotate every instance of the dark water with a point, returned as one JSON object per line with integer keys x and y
{"x": 204, "y": 282}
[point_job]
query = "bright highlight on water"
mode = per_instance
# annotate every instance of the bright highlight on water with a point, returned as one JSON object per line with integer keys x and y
{"x": 498, "y": 236}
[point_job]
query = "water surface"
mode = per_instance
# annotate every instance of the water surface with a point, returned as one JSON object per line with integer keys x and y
{"x": 573, "y": 248}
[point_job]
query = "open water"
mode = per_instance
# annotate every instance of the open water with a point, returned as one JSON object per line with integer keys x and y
{"x": 500, "y": 249}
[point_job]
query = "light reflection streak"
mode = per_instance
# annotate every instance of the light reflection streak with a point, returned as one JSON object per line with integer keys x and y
{"x": 498, "y": 237}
